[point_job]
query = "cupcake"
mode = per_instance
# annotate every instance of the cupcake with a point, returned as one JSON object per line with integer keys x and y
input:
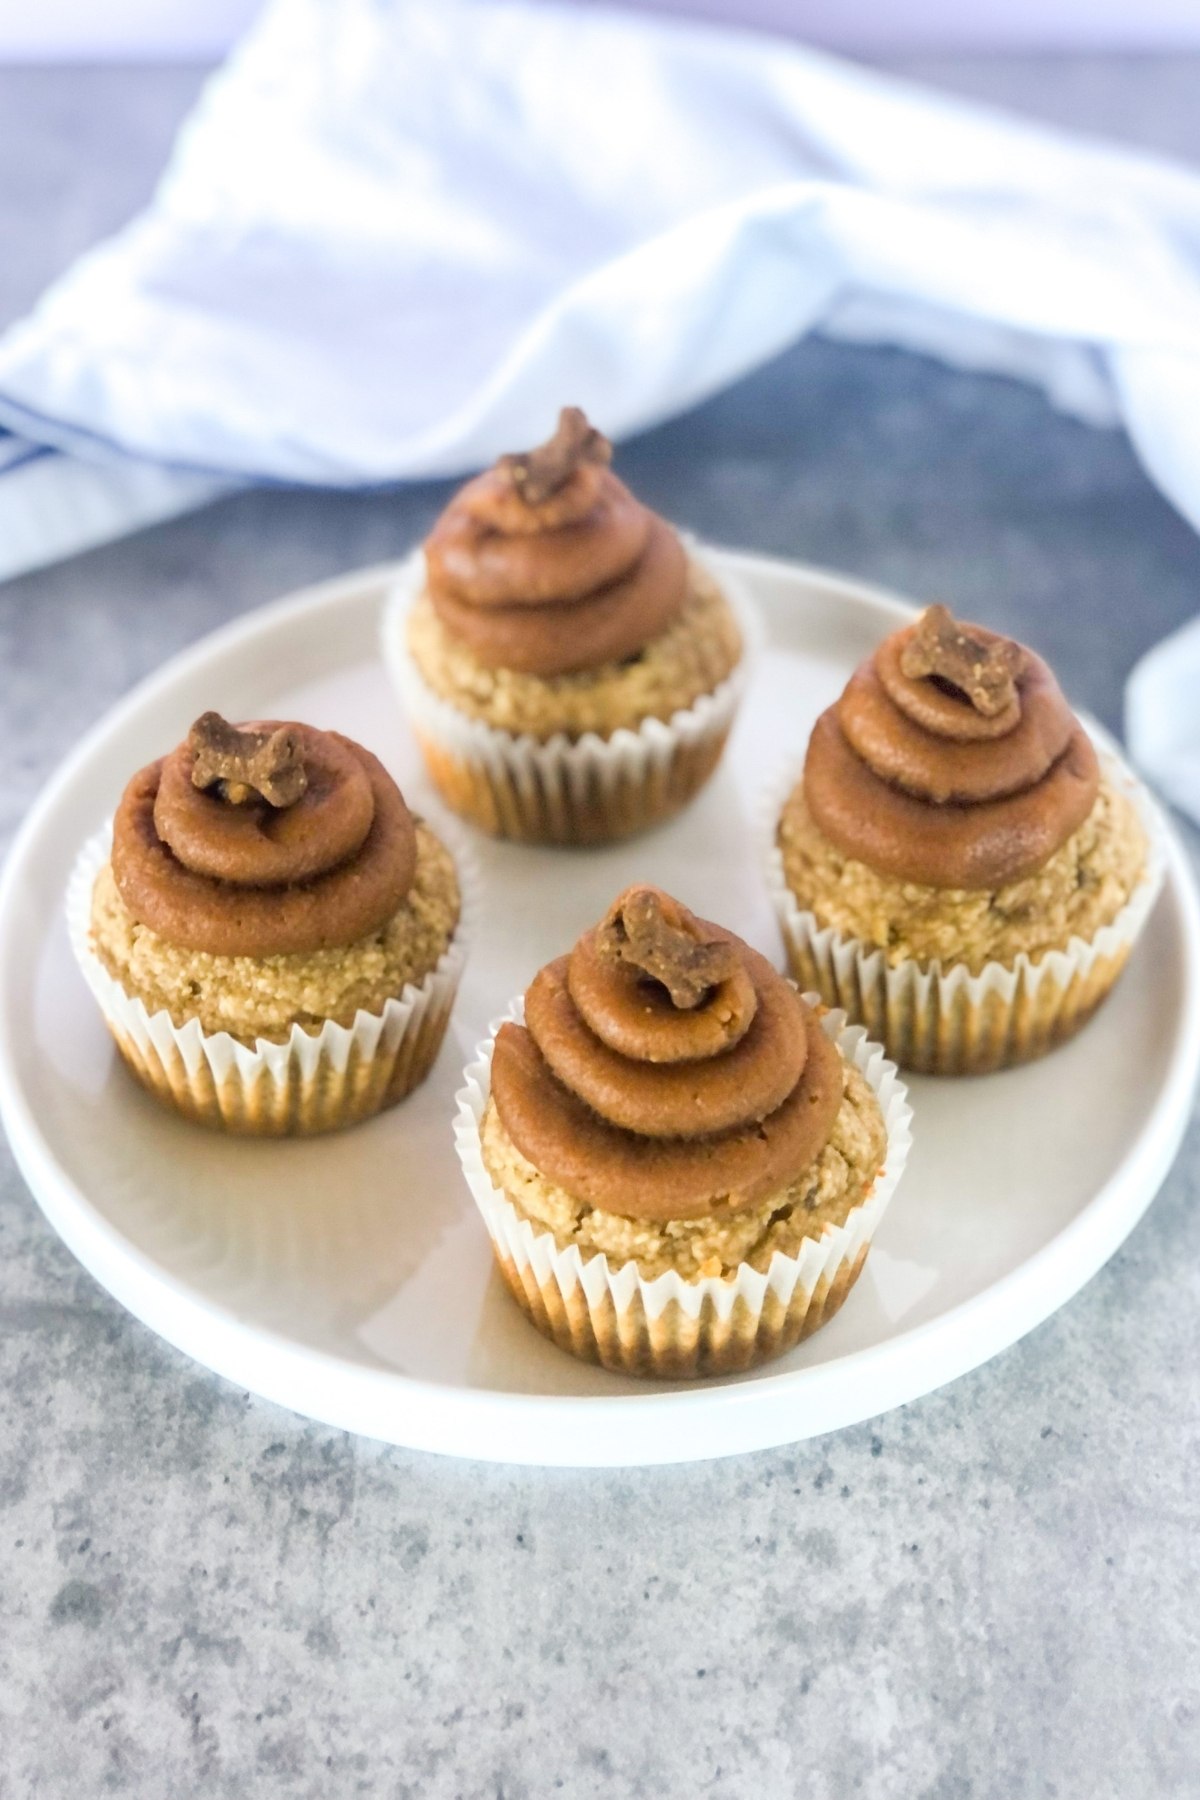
{"x": 957, "y": 867}
{"x": 273, "y": 938}
{"x": 570, "y": 668}
{"x": 680, "y": 1162}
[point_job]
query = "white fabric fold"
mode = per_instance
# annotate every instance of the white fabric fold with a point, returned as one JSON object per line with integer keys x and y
{"x": 1162, "y": 725}
{"x": 54, "y": 505}
{"x": 393, "y": 238}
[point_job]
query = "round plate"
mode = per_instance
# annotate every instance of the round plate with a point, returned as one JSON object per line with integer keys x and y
{"x": 349, "y": 1277}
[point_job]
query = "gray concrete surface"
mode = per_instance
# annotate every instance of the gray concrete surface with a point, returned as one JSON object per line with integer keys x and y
{"x": 991, "y": 1593}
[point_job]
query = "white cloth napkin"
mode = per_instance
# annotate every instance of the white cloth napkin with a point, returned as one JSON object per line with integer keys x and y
{"x": 1162, "y": 718}
{"x": 395, "y": 236}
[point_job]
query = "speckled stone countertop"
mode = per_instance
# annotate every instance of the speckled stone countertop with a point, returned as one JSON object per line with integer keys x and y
{"x": 992, "y": 1594}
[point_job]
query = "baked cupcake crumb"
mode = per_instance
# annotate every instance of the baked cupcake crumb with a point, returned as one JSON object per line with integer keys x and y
{"x": 263, "y": 997}
{"x": 821, "y": 1196}
{"x": 1082, "y": 888}
{"x": 691, "y": 658}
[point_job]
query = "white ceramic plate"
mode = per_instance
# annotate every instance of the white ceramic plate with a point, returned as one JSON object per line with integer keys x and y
{"x": 350, "y": 1278}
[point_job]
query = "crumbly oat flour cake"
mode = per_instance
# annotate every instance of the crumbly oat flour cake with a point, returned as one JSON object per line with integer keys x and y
{"x": 273, "y": 937}
{"x": 570, "y": 669}
{"x": 955, "y": 865}
{"x": 680, "y": 1163}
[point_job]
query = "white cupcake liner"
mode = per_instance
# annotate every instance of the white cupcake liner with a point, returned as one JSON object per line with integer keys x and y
{"x": 670, "y": 1326}
{"x": 312, "y": 1082}
{"x": 948, "y": 1021}
{"x": 564, "y": 790}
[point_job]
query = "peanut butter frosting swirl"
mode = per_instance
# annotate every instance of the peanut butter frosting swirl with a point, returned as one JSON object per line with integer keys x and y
{"x": 665, "y": 1070}
{"x": 547, "y": 565}
{"x": 951, "y": 759}
{"x": 266, "y": 840}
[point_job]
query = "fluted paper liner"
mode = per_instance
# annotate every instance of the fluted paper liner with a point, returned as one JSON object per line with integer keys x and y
{"x": 312, "y": 1082}
{"x": 586, "y": 790}
{"x": 670, "y": 1326}
{"x": 938, "y": 1021}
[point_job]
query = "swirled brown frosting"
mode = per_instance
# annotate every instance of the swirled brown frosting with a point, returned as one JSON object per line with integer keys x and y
{"x": 266, "y": 840}
{"x": 546, "y": 564}
{"x": 951, "y": 759}
{"x": 665, "y": 1070}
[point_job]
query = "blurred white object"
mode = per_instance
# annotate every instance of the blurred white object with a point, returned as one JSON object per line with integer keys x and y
{"x": 393, "y": 237}
{"x": 1162, "y": 719}
{"x": 71, "y": 30}
{"x": 53, "y": 505}
{"x": 125, "y": 30}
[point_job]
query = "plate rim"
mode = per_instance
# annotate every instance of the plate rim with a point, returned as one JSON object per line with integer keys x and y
{"x": 421, "y": 1406}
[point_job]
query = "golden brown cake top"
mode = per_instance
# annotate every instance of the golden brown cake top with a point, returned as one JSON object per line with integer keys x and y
{"x": 665, "y": 1070}
{"x": 263, "y": 840}
{"x": 951, "y": 759}
{"x": 546, "y": 564}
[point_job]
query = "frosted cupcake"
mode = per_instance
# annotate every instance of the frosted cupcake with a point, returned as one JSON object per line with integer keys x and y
{"x": 570, "y": 669}
{"x": 956, "y": 865}
{"x": 681, "y": 1164}
{"x": 272, "y": 936}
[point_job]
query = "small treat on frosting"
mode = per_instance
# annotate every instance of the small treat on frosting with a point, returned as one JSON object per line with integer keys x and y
{"x": 547, "y": 564}
{"x": 983, "y": 670}
{"x": 556, "y": 607}
{"x": 652, "y": 933}
{"x": 245, "y": 763}
{"x": 671, "y": 1101}
{"x": 953, "y": 813}
{"x": 268, "y": 879}
{"x": 537, "y": 474}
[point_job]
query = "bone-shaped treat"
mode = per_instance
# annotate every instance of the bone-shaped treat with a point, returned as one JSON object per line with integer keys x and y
{"x": 246, "y": 764}
{"x": 536, "y": 474}
{"x": 984, "y": 672}
{"x": 655, "y": 934}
